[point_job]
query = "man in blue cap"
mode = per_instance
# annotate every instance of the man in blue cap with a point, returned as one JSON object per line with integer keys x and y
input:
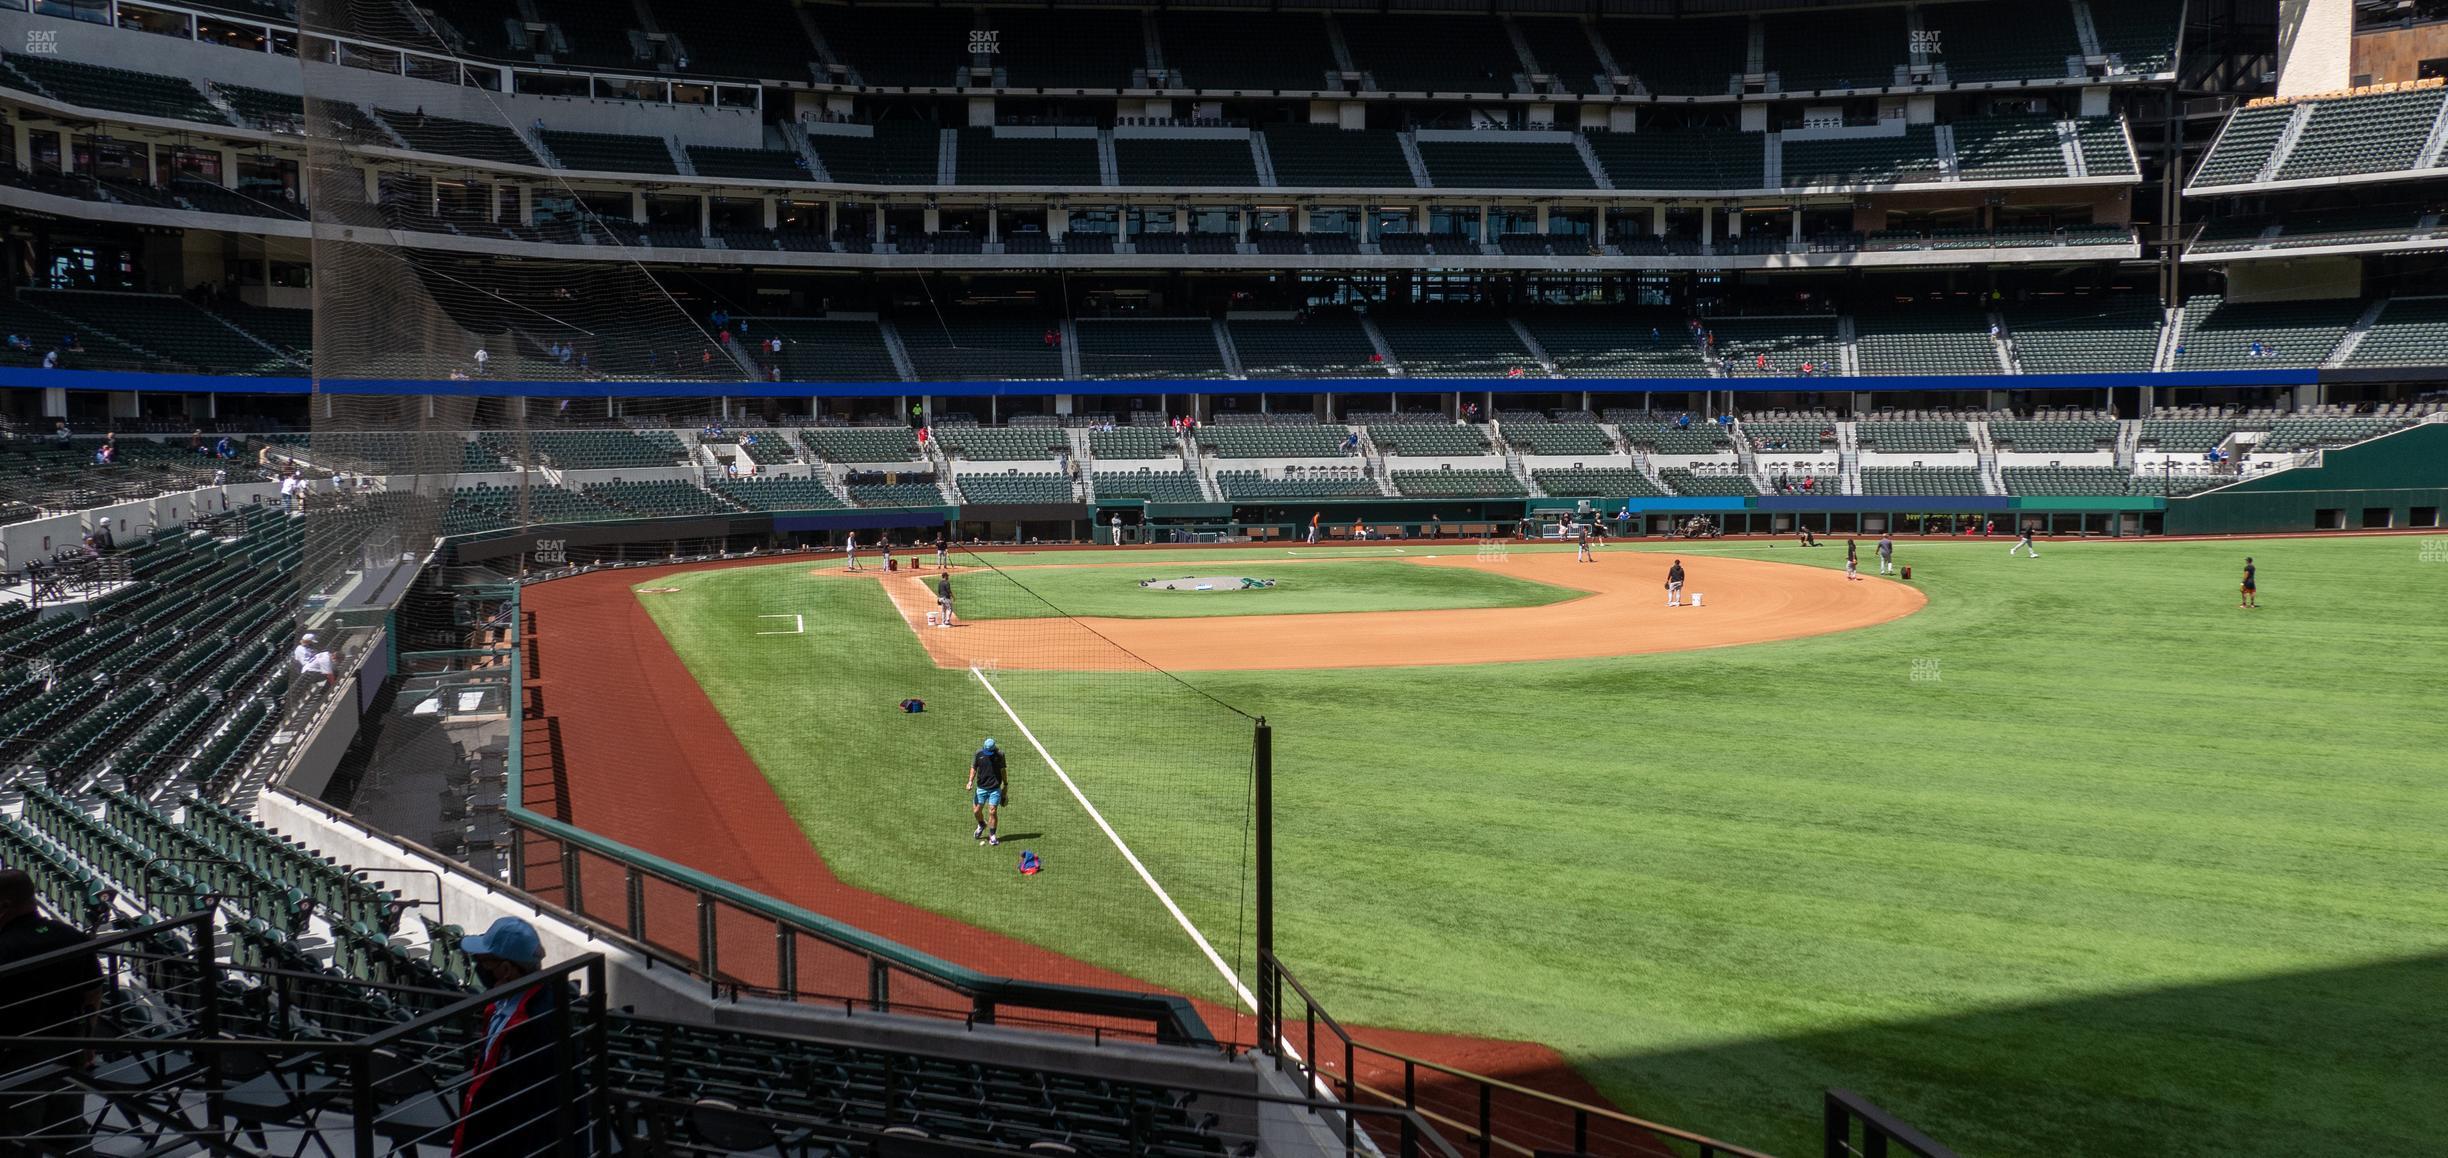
{"x": 509, "y": 1106}
{"x": 986, "y": 791}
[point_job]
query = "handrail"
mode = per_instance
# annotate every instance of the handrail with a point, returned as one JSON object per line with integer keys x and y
{"x": 1177, "y": 1019}
{"x": 1272, "y": 968}
{"x": 1844, "y": 1107}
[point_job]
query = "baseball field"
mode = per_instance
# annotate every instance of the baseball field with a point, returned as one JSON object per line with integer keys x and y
{"x": 2056, "y": 856}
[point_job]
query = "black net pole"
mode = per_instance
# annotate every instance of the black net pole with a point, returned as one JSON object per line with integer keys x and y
{"x": 1263, "y": 787}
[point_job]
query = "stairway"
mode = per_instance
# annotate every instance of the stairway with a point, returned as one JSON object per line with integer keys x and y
{"x": 1846, "y": 334}
{"x": 1373, "y": 464}
{"x": 1070, "y": 351}
{"x": 1411, "y": 157}
{"x": 1109, "y": 170}
{"x": 1521, "y": 333}
{"x": 2294, "y": 132}
{"x": 900, "y": 352}
{"x": 1263, "y": 160}
{"x": 1848, "y": 459}
{"x": 1521, "y": 472}
{"x": 2007, "y": 363}
{"x": 1985, "y": 452}
{"x": 1750, "y": 462}
{"x": 1377, "y": 342}
{"x": 2128, "y": 443}
{"x": 2355, "y": 333}
{"x": 1225, "y": 347}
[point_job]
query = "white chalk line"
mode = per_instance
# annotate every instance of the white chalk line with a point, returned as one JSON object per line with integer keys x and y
{"x": 798, "y": 623}
{"x": 1183, "y": 919}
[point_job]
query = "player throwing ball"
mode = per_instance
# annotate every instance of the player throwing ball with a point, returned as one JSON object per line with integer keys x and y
{"x": 986, "y": 787}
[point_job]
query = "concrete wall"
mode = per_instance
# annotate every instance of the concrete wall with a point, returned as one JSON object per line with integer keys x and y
{"x": 2315, "y": 46}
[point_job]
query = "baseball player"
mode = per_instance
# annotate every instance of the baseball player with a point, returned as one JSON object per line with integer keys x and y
{"x": 986, "y": 792}
{"x": 2252, "y": 590}
{"x": 2023, "y": 542}
{"x": 1674, "y": 584}
{"x": 943, "y": 552}
{"x": 1853, "y": 560}
{"x": 943, "y": 597}
{"x": 1886, "y": 554}
{"x": 1582, "y": 534}
{"x": 850, "y": 551}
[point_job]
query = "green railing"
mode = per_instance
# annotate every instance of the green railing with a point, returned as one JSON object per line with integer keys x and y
{"x": 744, "y": 943}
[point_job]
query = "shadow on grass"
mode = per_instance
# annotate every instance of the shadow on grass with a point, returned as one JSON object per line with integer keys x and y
{"x": 2350, "y": 1060}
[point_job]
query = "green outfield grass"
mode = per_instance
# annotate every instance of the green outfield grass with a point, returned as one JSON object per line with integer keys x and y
{"x": 2080, "y": 859}
{"x": 1301, "y": 588}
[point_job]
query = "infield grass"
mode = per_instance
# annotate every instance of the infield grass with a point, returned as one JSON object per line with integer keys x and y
{"x": 1301, "y": 588}
{"x": 2080, "y": 859}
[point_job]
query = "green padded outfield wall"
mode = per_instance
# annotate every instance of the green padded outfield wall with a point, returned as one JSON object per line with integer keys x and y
{"x": 2404, "y": 473}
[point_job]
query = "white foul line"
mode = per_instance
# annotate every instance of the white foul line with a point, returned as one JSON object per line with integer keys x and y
{"x": 1213, "y": 957}
{"x": 799, "y": 624}
{"x": 1324, "y": 1088}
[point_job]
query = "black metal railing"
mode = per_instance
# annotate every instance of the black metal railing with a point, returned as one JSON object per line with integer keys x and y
{"x": 1880, "y": 1132}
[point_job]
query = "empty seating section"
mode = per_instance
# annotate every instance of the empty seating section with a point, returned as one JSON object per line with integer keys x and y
{"x": 2218, "y": 336}
{"x": 2139, "y": 33}
{"x": 778, "y": 494}
{"x": 1596, "y": 482}
{"x": 609, "y": 152}
{"x": 1590, "y": 347}
{"x": 1667, "y": 437}
{"x": 1503, "y": 164}
{"x": 1928, "y": 340}
{"x": 1994, "y": 42}
{"x": 2410, "y": 332}
{"x": 2105, "y": 151}
{"x": 2066, "y": 480}
{"x": 1216, "y": 51}
{"x": 857, "y": 444}
{"x": 1309, "y": 484}
{"x": 895, "y": 494}
{"x": 1458, "y": 347}
{"x": 1783, "y": 437}
{"x": 746, "y": 164}
{"x": 1681, "y": 57}
{"x": 1786, "y": 343}
{"x": 748, "y": 39}
{"x": 957, "y": 349}
{"x": 985, "y": 158}
{"x": 274, "y": 112}
{"x": 1911, "y": 436}
{"x": 1213, "y": 162}
{"x": 2185, "y": 435}
{"x": 1273, "y": 441}
{"x": 897, "y": 153}
{"x": 119, "y": 90}
{"x": 1716, "y": 484}
{"x": 1134, "y": 442}
{"x": 657, "y": 499}
{"x": 2008, "y": 149}
{"x": 1835, "y": 50}
{"x": 2302, "y": 432}
{"x": 1909, "y": 157}
{"x": 898, "y": 47}
{"x": 1075, "y": 48}
{"x": 599, "y": 38}
{"x": 2151, "y": 482}
{"x": 391, "y": 452}
{"x": 1561, "y": 46}
{"x": 1926, "y": 480}
{"x": 1160, "y": 486}
{"x": 2358, "y": 226}
{"x": 544, "y": 504}
{"x": 1309, "y": 156}
{"x": 1558, "y": 438}
{"x": 1440, "y": 484}
{"x": 2243, "y": 146}
{"x": 590, "y": 449}
{"x": 458, "y": 138}
{"x": 1403, "y": 53}
{"x": 285, "y": 329}
{"x": 2085, "y": 334}
{"x": 172, "y": 329}
{"x": 1021, "y": 487}
{"x": 1001, "y": 443}
{"x": 2063, "y": 436}
{"x": 770, "y": 448}
{"x": 2365, "y": 134}
{"x": 818, "y": 350}
{"x": 1323, "y": 347}
{"x": 1149, "y": 348}
{"x": 1682, "y": 159}
{"x": 1418, "y": 439}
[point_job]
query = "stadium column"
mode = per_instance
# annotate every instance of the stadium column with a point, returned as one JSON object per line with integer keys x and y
{"x": 994, "y": 225}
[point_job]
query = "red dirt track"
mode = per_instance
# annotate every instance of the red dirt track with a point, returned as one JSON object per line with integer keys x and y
{"x": 623, "y": 742}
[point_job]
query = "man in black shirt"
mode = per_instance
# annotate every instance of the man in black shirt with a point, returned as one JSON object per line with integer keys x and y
{"x": 1674, "y": 584}
{"x": 986, "y": 792}
{"x": 54, "y": 999}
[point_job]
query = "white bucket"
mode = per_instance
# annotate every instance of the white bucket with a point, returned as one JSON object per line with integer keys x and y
{"x": 1695, "y": 599}
{"x": 934, "y": 619}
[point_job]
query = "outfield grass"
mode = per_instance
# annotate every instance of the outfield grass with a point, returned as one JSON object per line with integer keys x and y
{"x": 2079, "y": 859}
{"x": 1301, "y": 588}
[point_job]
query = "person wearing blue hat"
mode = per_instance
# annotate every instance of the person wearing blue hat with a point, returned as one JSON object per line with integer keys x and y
{"x": 509, "y": 1105}
{"x": 986, "y": 792}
